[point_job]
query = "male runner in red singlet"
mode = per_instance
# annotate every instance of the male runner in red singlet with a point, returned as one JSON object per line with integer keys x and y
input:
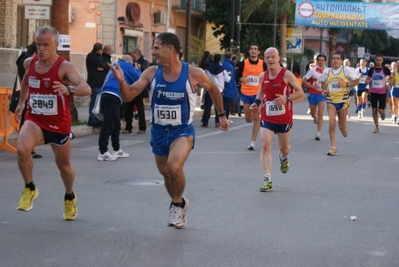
{"x": 275, "y": 93}
{"x": 48, "y": 119}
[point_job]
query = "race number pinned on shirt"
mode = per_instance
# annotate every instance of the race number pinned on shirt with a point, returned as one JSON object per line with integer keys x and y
{"x": 377, "y": 84}
{"x": 167, "y": 115}
{"x": 253, "y": 80}
{"x": 362, "y": 79}
{"x": 334, "y": 87}
{"x": 274, "y": 110}
{"x": 43, "y": 104}
{"x": 34, "y": 83}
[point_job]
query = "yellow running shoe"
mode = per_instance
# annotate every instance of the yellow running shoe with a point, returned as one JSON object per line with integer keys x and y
{"x": 70, "y": 209}
{"x": 26, "y": 201}
{"x": 284, "y": 164}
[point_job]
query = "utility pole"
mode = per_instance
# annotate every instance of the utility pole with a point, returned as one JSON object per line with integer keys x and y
{"x": 275, "y": 24}
{"x": 188, "y": 26}
{"x": 239, "y": 27}
{"x": 232, "y": 26}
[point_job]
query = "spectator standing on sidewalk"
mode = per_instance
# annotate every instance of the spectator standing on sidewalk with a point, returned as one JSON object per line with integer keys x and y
{"x": 110, "y": 104}
{"x": 173, "y": 99}
{"x": 97, "y": 68}
{"x": 230, "y": 92}
{"x": 139, "y": 62}
{"x": 219, "y": 76}
{"x": 48, "y": 119}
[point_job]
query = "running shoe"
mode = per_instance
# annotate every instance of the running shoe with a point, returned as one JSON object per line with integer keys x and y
{"x": 315, "y": 119}
{"x": 284, "y": 164}
{"x": 317, "y": 137}
{"x": 177, "y": 215}
{"x": 383, "y": 116}
{"x": 359, "y": 115}
{"x": 26, "y": 201}
{"x": 395, "y": 120}
{"x": 120, "y": 154}
{"x": 106, "y": 157}
{"x": 376, "y": 130}
{"x": 251, "y": 146}
{"x": 333, "y": 151}
{"x": 344, "y": 133}
{"x": 70, "y": 209}
{"x": 267, "y": 185}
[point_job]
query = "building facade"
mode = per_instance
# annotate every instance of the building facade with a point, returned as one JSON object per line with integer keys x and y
{"x": 123, "y": 24}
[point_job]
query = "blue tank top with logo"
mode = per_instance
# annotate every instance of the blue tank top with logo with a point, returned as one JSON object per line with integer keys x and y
{"x": 172, "y": 103}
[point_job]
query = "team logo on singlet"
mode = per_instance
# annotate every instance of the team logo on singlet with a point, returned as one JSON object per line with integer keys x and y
{"x": 170, "y": 95}
{"x": 46, "y": 82}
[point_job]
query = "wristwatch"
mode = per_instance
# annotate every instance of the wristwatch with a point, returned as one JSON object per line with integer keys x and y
{"x": 288, "y": 98}
{"x": 71, "y": 89}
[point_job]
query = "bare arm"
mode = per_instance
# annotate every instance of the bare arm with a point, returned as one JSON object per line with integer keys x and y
{"x": 290, "y": 79}
{"x": 128, "y": 92}
{"x": 259, "y": 95}
{"x": 70, "y": 75}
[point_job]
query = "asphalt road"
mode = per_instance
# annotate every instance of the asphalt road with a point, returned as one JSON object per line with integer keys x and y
{"x": 123, "y": 206}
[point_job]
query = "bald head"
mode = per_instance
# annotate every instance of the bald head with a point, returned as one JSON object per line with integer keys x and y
{"x": 272, "y": 58}
{"x": 272, "y": 50}
{"x": 127, "y": 58}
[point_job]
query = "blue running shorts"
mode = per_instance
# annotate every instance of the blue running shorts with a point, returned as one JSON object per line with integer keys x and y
{"x": 314, "y": 99}
{"x": 163, "y": 136}
{"x": 248, "y": 99}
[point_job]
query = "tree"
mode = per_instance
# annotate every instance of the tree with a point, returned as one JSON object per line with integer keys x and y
{"x": 59, "y": 20}
{"x": 285, "y": 12}
{"x": 254, "y": 31}
{"x": 375, "y": 41}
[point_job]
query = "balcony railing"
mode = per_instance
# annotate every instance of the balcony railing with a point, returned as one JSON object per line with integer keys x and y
{"x": 196, "y": 5}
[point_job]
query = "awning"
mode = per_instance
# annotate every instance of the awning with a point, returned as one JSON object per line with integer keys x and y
{"x": 133, "y": 33}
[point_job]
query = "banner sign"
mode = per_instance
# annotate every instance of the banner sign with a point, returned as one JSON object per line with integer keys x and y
{"x": 353, "y": 15}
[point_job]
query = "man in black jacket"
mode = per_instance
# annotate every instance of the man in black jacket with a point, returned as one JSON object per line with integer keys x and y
{"x": 97, "y": 69}
{"x": 141, "y": 63}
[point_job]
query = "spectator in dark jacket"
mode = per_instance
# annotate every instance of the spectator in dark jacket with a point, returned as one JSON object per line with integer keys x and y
{"x": 97, "y": 69}
{"x": 139, "y": 62}
{"x": 107, "y": 53}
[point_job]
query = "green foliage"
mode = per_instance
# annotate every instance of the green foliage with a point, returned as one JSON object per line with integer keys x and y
{"x": 197, "y": 47}
{"x": 374, "y": 40}
{"x": 218, "y": 14}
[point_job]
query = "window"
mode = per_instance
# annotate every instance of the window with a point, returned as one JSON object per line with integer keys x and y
{"x": 128, "y": 44}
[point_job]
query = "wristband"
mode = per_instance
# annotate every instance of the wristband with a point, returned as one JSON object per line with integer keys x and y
{"x": 222, "y": 114}
{"x": 257, "y": 102}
